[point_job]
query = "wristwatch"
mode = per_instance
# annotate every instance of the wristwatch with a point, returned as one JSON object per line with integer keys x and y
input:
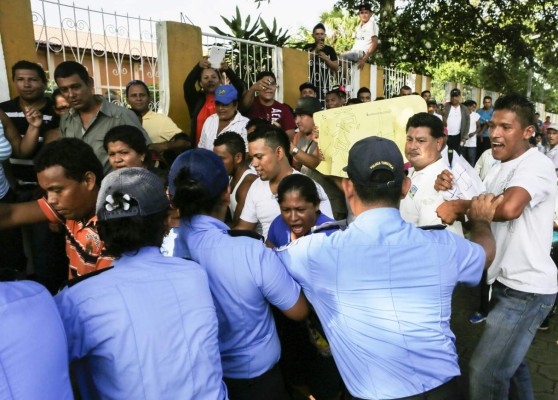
{"x": 295, "y": 151}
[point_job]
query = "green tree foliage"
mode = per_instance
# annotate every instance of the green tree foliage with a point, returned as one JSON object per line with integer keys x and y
{"x": 259, "y": 32}
{"x": 499, "y": 40}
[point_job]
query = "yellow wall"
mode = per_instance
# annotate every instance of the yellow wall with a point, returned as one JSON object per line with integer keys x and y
{"x": 184, "y": 51}
{"x": 16, "y": 29}
{"x": 295, "y": 72}
{"x": 380, "y": 82}
{"x": 418, "y": 84}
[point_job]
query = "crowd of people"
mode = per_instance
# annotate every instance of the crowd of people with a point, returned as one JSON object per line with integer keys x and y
{"x": 217, "y": 262}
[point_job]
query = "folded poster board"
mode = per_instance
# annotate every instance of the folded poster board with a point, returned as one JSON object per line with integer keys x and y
{"x": 341, "y": 127}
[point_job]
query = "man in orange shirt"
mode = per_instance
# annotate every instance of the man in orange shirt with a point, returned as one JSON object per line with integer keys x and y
{"x": 70, "y": 174}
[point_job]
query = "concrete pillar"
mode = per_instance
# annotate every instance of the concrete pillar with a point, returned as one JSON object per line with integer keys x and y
{"x": 295, "y": 72}
{"x": 380, "y": 82}
{"x": 180, "y": 48}
{"x": 17, "y": 36}
{"x": 373, "y": 81}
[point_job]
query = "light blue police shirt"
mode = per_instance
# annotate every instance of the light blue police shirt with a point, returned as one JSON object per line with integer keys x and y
{"x": 382, "y": 290}
{"x": 244, "y": 277}
{"x": 145, "y": 329}
{"x": 33, "y": 349}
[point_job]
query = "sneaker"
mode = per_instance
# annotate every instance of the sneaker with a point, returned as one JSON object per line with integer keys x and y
{"x": 544, "y": 325}
{"x": 477, "y": 318}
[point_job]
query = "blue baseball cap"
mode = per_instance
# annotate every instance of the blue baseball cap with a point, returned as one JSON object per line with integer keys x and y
{"x": 371, "y": 154}
{"x": 226, "y": 94}
{"x": 204, "y": 166}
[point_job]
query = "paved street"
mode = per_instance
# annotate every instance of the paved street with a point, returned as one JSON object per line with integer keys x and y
{"x": 542, "y": 356}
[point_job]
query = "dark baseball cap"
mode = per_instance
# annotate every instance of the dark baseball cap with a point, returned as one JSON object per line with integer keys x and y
{"x": 455, "y": 92}
{"x": 372, "y": 154}
{"x": 307, "y": 106}
{"x": 366, "y": 6}
{"x": 130, "y": 192}
{"x": 205, "y": 167}
{"x": 307, "y": 85}
{"x": 226, "y": 94}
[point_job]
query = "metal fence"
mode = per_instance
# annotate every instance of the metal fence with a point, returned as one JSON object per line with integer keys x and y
{"x": 394, "y": 79}
{"x": 324, "y": 78}
{"x": 247, "y": 58}
{"x": 114, "y": 48}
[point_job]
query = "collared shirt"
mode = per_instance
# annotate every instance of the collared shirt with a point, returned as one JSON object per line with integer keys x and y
{"x": 84, "y": 247}
{"x": 159, "y": 127}
{"x": 145, "y": 329}
{"x": 383, "y": 289}
{"x": 109, "y": 116}
{"x": 244, "y": 277}
{"x": 420, "y": 204}
{"x": 211, "y": 125}
{"x": 522, "y": 260}
{"x": 33, "y": 349}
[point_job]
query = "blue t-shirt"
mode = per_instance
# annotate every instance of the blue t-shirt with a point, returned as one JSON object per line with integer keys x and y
{"x": 33, "y": 348}
{"x": 244, "y": 278}
{"x": 383, "y": 290}
{"x": 145, "y": 329}
{"x": 485, "y": 116}
{"x": 280, "y": 234}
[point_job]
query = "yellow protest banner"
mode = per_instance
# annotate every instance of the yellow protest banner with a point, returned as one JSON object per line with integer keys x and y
{"x": 341, "y": 127}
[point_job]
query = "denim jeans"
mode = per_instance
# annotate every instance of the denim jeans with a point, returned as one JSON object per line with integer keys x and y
{"x": 499, "y": 356}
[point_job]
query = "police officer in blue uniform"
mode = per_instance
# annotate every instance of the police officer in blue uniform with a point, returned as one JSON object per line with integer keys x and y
{"x": 33, "y": 349}
{"x": 382, "y": 288}
{"x": 244, "y": 277}
{"x": 145, "y": 328}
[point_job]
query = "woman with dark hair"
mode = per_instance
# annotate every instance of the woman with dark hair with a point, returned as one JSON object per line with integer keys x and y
{"x": 306, "y": 360}
{"x": 300, "y": 210}
{"x": 201, "y": 102}
{"x": 244, "y": 277}
{"x": 126, "y": 148}
{"x": 146, "y": 327}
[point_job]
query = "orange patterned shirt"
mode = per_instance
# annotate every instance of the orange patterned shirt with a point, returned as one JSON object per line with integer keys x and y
{"x": 84, "y": 248}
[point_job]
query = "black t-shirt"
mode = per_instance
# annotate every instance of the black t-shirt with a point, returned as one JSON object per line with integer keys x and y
{"x": 319, "y": 71}
{"x": 22, "y": 169}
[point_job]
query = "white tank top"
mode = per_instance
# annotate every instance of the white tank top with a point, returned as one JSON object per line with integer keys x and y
{"x": 232, "y": 204}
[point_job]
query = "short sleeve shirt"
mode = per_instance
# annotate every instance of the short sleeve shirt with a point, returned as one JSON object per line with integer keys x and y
{"x": 383, "y": 289}
{"x": 522, "y": 260}
{"x": 159, "y": 127}
{"x": 364, "y": 35}
{"x": 109, "y": 116}
{"x": 419, "y": 205}
{"x": 84, "y": 247}
{"x": 33, "y": 349}
{"x": 244, "y": 277}
{"x": 145, "y": 329}
{"x": 276, "y": 112}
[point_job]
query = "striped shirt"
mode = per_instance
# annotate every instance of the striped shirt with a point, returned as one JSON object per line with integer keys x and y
{"x": 84, "y": 248}
{"x": 5, "y": 152}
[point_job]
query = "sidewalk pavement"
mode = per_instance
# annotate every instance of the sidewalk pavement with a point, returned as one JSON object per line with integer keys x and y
{"x": 542, "y": 356}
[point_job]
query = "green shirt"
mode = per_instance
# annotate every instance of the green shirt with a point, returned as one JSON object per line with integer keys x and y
{"x": 109, "y": 116}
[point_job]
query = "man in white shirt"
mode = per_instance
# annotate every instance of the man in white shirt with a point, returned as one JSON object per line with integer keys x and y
{"x": 552, "y": 150}
{"x": 366, "y": 37}
{"x": 425, "y": 140}
{"x": 470, "y": 145}
{"x": 269, "y": 148}
{"x": 457, "y": 121}
{"x": 523, "y": 276}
